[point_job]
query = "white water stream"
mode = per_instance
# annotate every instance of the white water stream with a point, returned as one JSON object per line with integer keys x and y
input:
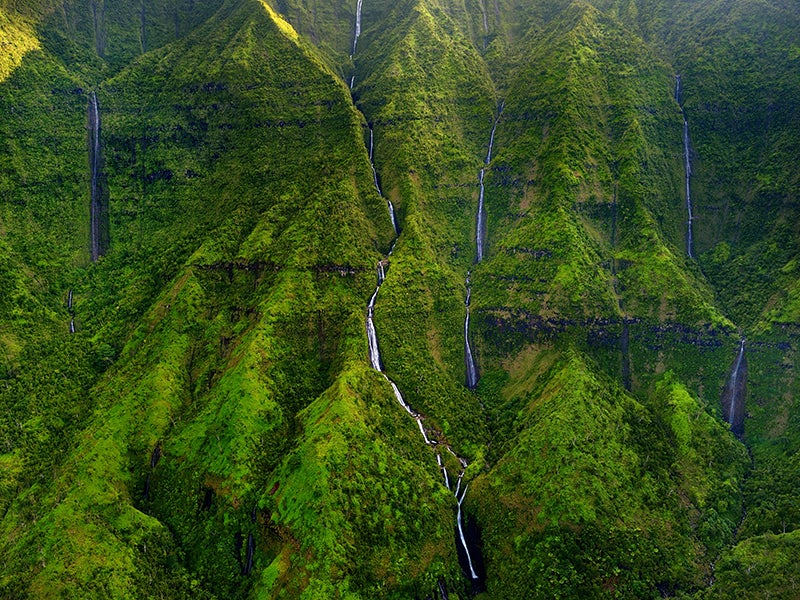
{"x": 356, "y": 35}
{"x": 687, "y": 166}
{"x": 480, "y": 234}
{"x": 375, "y": 362}
{"x": 375, "y": 179}
{"x": 734, "y": 382}
{"x": 94, "y": 165}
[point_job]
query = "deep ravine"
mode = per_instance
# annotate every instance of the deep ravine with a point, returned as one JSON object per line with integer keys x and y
{"x": 687, "y": 166}
{"x": 389, "y": 204}
{"x": 439, "y": 446}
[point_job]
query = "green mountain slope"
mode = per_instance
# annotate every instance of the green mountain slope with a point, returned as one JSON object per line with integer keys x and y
{"x": 195, "y": 414}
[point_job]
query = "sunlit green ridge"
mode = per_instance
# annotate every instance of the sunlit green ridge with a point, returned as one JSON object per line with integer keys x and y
{"x": 214, "y": 427}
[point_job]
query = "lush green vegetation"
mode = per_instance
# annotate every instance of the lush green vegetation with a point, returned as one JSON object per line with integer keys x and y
{"x": 213, "y": 428}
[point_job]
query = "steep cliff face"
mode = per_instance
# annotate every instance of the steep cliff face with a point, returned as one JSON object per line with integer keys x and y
{"x": 196, "y": 198}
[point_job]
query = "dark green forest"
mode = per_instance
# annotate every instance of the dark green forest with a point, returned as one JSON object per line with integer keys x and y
{"x": 250, "y": 251}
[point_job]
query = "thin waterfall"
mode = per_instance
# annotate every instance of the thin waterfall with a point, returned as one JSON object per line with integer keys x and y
{"x": 459, "y": 520}
{"x": 356, "y": 35}
{"x": 482, "y": 4}
{"x": 443, "y": 590}
{"x": 376, "y": 363}
{"x": 251, "y": 547}
{"x": 97, "y": 209}
{"x": 485, "y": 17}
{"x": 481, "y": 227}
{"x": 472, "y": 372}
{"x": 444, "y": 471}
{"x": 687, "y": 166}
{"x": 374, "y": 353}
{"x": 71, "y": 312}
{"x": 733, "y": 396}
{"x": 375, "y": 179}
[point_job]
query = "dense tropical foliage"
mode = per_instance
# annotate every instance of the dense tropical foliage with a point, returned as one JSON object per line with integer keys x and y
{"x": 213, "y": 428}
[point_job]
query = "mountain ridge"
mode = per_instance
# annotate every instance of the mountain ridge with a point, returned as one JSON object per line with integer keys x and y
{"x": 213, "y": 427}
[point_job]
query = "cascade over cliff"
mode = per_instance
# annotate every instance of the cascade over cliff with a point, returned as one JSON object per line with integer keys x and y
{"x": 543, "y": 395}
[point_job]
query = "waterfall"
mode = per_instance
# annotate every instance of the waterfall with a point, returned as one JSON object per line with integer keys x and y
{"x": 95, "y": 165}
{"x": 687, "y": 167}
{"x": 443, "y": 590}
{"x": 472, "y": 572}
{"x": 422, "y": 431}
{"x": 375, "y": 362}
{"x": 481, "y": 228}
{"x": 444, "y": 471}
{"x": 71, "y": 312}
{"x": 734, "y": 393}
{"x": 381, "y": 273}
{"x": 356, "y": 35}
{"x": 251, "y": 548}
{"x": 485, "y": 18}
{"x": 375, "y": 179}
{"x": 358, "y": 27}
{"x": 472, "y": 372}
{"x": 372, "y": 338}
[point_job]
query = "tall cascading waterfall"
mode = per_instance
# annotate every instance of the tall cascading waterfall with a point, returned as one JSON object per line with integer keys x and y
{"x": 356, "y": 35}
{"x": 687, "y": 165}
{"x": 376, "y": 363}
{"x": 97, "y": 206}
{"x": 733, "y": 396}
{"x": 480, "y": 235}
{"x": 375, "y": 179}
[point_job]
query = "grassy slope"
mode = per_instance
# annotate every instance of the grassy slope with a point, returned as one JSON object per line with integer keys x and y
{"x": 213, "y": 362}
{"x": 595, "y": 494}
{"x": 245, "y": 358}
{"x": 582, "y": 190}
